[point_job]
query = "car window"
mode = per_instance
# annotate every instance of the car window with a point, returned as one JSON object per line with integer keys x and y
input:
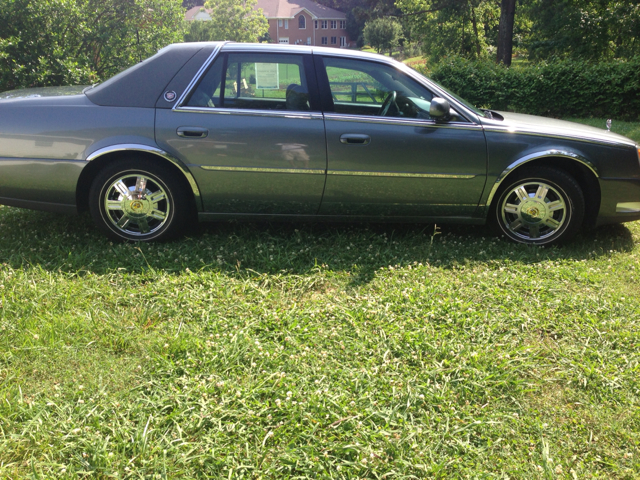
{"x": 369, "y": 88}
{"x": 255, "y": 82}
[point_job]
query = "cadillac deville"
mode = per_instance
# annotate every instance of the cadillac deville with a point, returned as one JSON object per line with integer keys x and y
{"x": 208, "y": 131}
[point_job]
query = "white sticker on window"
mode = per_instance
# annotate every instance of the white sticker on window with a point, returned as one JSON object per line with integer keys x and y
{"x": 267, "y": 76}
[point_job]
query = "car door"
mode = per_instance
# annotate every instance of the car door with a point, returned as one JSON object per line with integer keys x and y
{"x": 386, "y": 156}
{"x": 252, "y": 134}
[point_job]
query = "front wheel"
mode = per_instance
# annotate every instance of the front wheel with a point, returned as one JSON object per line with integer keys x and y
{"x": 540, "y": 206}
{"x": 135, "y": 199}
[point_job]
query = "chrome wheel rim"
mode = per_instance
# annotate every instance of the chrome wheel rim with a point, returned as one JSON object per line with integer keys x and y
{"x": 534, "y": 211}
{"x": 136, "y": 205}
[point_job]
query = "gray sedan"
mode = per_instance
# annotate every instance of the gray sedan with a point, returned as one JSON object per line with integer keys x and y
{"x": 209, "y": 131}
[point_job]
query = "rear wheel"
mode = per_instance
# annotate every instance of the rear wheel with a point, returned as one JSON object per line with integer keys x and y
{"x": 135, "y": 199}
{"x": 540, "y": 206}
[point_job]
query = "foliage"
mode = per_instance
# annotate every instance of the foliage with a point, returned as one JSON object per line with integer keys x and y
{"x": 383, "y": 34}
{"x": 453, "y": 27}
{"x": 589, "y": 29}
{"x": 315, "y": 351}
{"x": 561, "y": 88}
{"x": 57, "y": 42}
{"x": 234, "y": 20}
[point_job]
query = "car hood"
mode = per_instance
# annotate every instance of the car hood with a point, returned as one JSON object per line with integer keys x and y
{"x": 42, "y": 92}
{"x": 518, "y": 122}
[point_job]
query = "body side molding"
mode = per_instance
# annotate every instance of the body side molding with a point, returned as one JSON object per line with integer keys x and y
{"x": 132, "y": 147}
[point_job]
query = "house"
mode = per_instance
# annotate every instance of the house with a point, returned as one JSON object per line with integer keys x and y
{"x": 298, "y": 22}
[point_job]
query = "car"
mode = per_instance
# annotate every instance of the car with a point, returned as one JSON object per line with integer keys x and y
{"x": 216, "y": 130}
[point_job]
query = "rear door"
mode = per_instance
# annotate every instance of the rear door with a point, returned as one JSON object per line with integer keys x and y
{"x": 252, "y": 133}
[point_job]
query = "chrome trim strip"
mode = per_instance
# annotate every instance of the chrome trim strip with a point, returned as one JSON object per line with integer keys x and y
{"x": 568, "y": 136}
{"x": 133, "y": 147}
{"x": 628, "y": 207}
{"x": 263, "y": 170}
{"x": 421, "y": 79}
{"x": 343, "y": 117}
{"x": 400, "y": 174}
{"x": 537, "y": 156}
{"x": 196, "y": 79}
{"x": 252, "y": 113}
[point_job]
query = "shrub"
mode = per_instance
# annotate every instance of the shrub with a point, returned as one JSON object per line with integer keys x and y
{"x": 558, "y": 89}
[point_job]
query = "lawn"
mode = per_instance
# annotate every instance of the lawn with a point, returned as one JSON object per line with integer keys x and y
{"x": 317, "y": 351}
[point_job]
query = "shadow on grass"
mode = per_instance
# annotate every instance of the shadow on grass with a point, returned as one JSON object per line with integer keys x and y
{"x": 72, "y": 244}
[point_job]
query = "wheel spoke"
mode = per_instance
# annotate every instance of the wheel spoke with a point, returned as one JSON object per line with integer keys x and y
{"x": 124, "y": 221}
{"x": 557, "y": 205}
{"x": 143, "y": 225}
{"x": 141, "y": 184}
{"x": 114, "y": 205}
{"x": 552, "y": 223}
{"x": 122, "y": 188}
{"x": 158, "y": 215}
{"x": 156, "y": 196}
{"x": 511, "y": 208}
{"x": 542, "y": 192}
{"x": 516, "y": 224}
{"x": 534, "y": 231}
{"x": 521, "y": 193}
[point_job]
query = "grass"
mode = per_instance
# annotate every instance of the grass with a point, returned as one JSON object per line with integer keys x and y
{"x": 317, "y": 351}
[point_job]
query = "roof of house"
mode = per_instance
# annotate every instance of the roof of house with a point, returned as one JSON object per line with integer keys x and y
{"x": 192, "y": 12}
{"x": 290, "y": 8}
{"x": 283, "y": 9}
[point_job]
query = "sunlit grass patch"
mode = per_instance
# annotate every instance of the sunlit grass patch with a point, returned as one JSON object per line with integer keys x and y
{"x": 316, "y": 351}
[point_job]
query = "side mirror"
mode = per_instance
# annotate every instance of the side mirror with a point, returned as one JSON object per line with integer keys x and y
{"x": 439, "y": 109}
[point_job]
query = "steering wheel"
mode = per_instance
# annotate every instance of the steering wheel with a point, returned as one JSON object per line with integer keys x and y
{"x": 386, "y": 105}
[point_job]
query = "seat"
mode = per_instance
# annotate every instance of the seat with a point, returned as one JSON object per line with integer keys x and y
{"x": 297, "y": 98}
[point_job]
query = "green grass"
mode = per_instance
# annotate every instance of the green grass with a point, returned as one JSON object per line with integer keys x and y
{"x": 317, "y": 351}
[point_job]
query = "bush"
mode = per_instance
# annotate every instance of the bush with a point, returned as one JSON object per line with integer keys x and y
{"x": 558, "y": 89}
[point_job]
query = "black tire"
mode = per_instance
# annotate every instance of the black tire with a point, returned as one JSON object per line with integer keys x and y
{"x": 538, "y": 206}
{"x": 137, "y": 199}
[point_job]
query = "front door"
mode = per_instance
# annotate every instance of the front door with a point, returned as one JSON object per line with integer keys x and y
{"x": 386, "y": 156}
{"x": 250, "y": 135}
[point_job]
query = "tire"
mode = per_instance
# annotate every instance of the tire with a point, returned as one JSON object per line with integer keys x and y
{"x": 136, "y": 199}
{"x": 539, "y": 206}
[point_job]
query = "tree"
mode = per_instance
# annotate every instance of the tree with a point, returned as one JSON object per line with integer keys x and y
{"x": 236, "y": 20}
{"x": 588, "y": 29}
{"x": 451, "y": 27}
{"x": 57, "y": 42}
{"x": 505, "y": 34}
{"x": 382, "y": 34}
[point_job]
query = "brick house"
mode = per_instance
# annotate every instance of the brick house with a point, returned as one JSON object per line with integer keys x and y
{"x": 298, "y": 22}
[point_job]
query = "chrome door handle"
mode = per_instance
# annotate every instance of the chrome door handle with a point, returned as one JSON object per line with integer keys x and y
{"x": 192, "y": 132}
{"x": 355, "y": 139}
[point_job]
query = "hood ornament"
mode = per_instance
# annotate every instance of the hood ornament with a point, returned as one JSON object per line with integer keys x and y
{"x": 608, "y": 125}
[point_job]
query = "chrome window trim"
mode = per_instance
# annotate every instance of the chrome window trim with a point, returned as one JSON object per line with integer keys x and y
{"x": 224, "y": 168}
{"x": 568, "y": 136}
{"x": 451, "y": 176}
{"x": 536, "y": 156}
{"x": 134, "y": 147}
{"x": 422, "y": 80}
{"x": 346, "y": 117}
{"x": 253, "y": 113}
{"x": 194, "y": 81}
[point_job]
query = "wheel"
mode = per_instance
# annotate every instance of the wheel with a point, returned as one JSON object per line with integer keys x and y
{"x": 390, "y": 100}
{"x": 136, "y": 199}
{"x": 539, "y": 206}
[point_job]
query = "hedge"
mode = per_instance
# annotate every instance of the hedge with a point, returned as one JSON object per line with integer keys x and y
{"x": 556, "y": 89}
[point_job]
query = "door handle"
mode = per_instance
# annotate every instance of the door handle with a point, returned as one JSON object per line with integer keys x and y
{"x": 355, "y": 139}
{"x": 192, "y": 132}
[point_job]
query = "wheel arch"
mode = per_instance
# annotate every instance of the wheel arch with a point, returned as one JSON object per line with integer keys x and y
{"x": 102, "y": 157}
{"x": 580, "y": 168}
